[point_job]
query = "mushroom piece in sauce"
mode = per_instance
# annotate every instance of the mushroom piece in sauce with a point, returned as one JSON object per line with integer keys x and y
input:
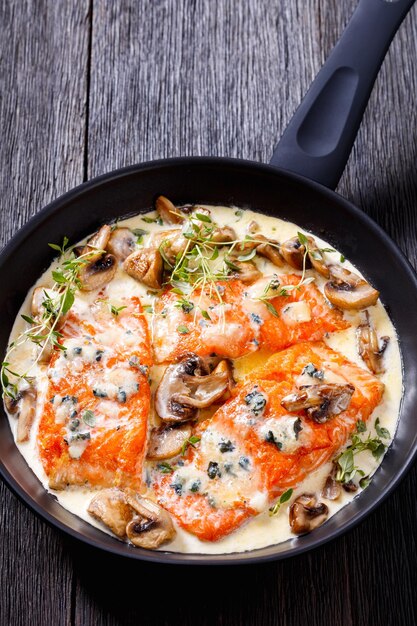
{"x": 126, "y": 513}
{"x": 245, "y": 271}
{"x": 347, "y": 290}
{"x": 110, "y": 507}
{"x": 369, "y": 347}
{"x": 24, "y": 407}
{"x": 167, "y": 211}
{"x": 121, "y": 243}
{"x": 151, "y": 526}
{"x": 306, "y": 514}
{"x": 188, "y": 386}
{"x": 271, "y": 252}
{"x": 100, "y": 267}
{"x": 223, "y": 235}
{"x": 332, "y": 488}
{"x": 321, "y": 402}
{"x": 146, "y": 266}
{"x": 293, "y": 252}
{"x": 316, "y": 258}
{"x": 167, "y": 442}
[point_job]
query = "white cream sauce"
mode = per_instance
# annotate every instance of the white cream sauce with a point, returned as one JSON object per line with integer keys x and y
{"x": 262, "y": 530}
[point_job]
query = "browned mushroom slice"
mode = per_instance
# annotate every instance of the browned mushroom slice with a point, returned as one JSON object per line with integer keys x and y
{"x": 293, "y": 252}
{"x": 167, "y": 211}
{"x": 170, "y": 243}
{"x": 321, "y": 402}
{"x": 145, "y": 266}
{"x": 332, "y": 489}
{"x": 369, "y": 347}
{"x": 121, "y": 243}
{"x": 97, "y": 272}
{"x": 347, "y": 290}
{"x": 24, "y": 407}
{"x": 188, "y": 386}
{"x": 166, "y": 442}
{"x": 316, "y": 258}
{"x": 98, "y": 240}
{"x": 271, "y": 252}
{"x": 306, "y": 514}
{"x": 223, "y": 235}
{"x": 151, "y": 526}
{"x": 110, "y": 507}
{"x": 245, "y": 271}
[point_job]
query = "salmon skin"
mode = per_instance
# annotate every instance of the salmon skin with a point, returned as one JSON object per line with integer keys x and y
{"x": 252, "y": 449}
{"x": 231, "y": 319}
{"x": 93, "y": 426}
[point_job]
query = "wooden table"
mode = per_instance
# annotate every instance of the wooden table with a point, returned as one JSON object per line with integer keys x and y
{"x": 91, "y": 85}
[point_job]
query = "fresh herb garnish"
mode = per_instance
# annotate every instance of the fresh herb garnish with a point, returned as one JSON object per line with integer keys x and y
{"x": 56, "y": 303}
{"x": 189, "y": 442}
{"x": 345, "y": 462}
{"x": 183, "y": 330}
{"x": 89, "y": 418}
{"x": 381, "y": 431}
{"x": 116, "y": 310}
{"x": 282, "y": 500}
{"x": 165, "y": 467}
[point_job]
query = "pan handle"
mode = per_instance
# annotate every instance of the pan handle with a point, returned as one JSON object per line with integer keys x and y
{"x": 318, "y": 140}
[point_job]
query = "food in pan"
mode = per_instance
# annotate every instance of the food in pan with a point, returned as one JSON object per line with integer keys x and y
{"x": 202, "y": 379}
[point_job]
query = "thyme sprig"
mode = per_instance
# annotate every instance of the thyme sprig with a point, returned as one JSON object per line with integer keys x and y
{"x": 43, "y": 329}
{"x": 283, "y": 498}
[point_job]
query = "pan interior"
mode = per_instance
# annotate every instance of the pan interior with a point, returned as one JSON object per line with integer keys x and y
{"x": 223, "y": 182}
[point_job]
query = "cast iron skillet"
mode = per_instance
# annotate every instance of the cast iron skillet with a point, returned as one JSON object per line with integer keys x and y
{"x": 314, "y": 148}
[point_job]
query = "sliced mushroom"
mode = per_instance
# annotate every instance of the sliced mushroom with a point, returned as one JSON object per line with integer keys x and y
{"x": 316, "y": 258}
{"x": 223, "y": 235}
{"x": 270, "y": 252}
{"x": 152, "y": 525}
{"x": 332, "y": 489}
{"x": 166, "y": 442}
{"x": 110, "y": 507}
{"x": 167, "y": 211}
{"x": 97, "y": 272}
{"x": 306, "y": 514}
{"x": 347, "y": 290}
{"x": 99, "y": 240}
{"x": 188, "y": 386}
{"x": 246, "y": 271}
{"x": 293, "y": 252}
{"x": 369, "y": 347}
{"x": 24, "y": 407}
{"x": 146, "y": 266}
{"x": 170, "y": 243}
{"x": 121, "y": 243}
{"x": 321, "y": 402}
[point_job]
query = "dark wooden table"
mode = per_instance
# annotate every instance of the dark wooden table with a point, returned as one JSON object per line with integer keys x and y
{"x": 87, "y": 86}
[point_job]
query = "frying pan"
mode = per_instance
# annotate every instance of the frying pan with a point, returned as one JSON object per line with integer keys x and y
{"x": 298, "y": 186}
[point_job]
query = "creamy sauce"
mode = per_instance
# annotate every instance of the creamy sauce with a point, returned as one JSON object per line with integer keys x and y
{"x": 263, "y": 530}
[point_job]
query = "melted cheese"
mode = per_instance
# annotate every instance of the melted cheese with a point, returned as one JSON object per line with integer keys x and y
{"x": 262, "y": 530}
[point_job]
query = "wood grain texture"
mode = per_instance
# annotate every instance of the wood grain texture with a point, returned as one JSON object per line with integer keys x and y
{"x": 43, "y": 71}
{"x": 198, "y": 77}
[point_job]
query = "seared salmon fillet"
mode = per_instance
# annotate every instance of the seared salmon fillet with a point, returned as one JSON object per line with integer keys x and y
{"x": 94, "y": 423}
{"x": 253, "y": 449}
{"x": 242, "y": 322}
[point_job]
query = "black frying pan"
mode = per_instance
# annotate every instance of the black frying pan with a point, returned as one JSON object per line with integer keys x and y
{"x": 313, "y": 151}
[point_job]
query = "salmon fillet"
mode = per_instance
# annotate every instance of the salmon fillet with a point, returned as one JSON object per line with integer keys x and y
{"x": 94, "y": 422}
{"x": 242, "y": 323}
{"x": 252, "y": 449}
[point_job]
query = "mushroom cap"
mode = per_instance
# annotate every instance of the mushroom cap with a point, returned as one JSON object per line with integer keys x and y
{"x": 321, "y": 402}
{"x": 121, "y": 243}
{"x": 369, "y": 347}
{"x": 316, "y": 258}
{"x": 223, "y": 234}
{"x": 293, "y": 251}
{"x": 110, "y": 507}
{"x": 167, "y": 211}
{"x": 24, "y": 407}
{"x": 167, "y": 442}
{"x": 98, "y": 272}
{"x": 146, "y": 266}
{"x": 152, "y": 526}
{"x": 246, "y": 272}
{"x": 349, "y": 291}
{"x": 189, "y": 385}
{"x": 306, "y": 514}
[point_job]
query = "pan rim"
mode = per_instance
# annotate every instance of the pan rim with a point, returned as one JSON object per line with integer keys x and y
{"x": 251, "y": 556}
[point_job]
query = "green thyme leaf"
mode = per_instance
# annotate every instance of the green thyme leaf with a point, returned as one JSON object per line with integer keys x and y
{"x": 183, "y": 329}
{"x": 302, "y": 238}
{"x": 381, "y": 431}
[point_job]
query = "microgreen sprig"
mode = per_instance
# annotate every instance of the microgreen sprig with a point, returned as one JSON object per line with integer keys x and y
{"x": 43, "y": 329}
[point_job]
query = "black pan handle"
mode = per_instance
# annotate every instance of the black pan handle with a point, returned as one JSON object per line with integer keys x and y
{"x": 318, "y": 140}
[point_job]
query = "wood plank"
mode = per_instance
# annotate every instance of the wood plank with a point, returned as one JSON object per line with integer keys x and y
{"x": 43, "y": 61}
